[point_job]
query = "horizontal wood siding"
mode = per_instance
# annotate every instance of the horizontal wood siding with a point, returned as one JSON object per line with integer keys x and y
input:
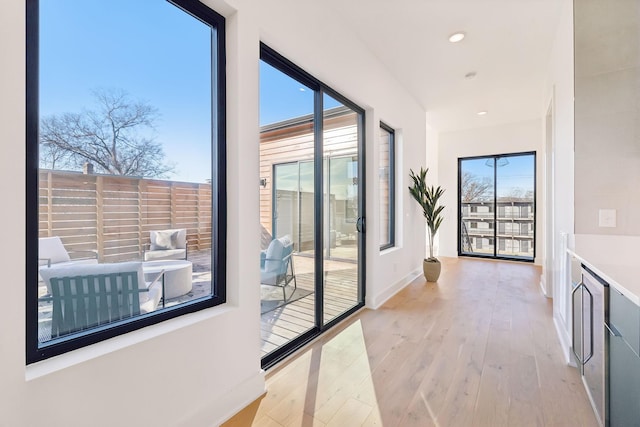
{"x": 114, "y": 215}
{"x": 294, "y": 143}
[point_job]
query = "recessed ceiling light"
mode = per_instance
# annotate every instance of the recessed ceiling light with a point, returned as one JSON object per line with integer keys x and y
{"x": 470, "y": 76}
{"x": 456, "y": 37}
{"x": 482, "y": 113}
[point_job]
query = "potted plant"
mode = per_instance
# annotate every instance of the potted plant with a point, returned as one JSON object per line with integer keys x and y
{"x": 427, "y": 198}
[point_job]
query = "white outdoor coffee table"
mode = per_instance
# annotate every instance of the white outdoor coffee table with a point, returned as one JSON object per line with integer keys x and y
{"x": 178, "y": 278}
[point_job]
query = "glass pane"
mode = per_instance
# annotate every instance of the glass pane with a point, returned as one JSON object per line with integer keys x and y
{"x": 125, "y": 162}
{"x": 515, "y": 186}
{"x": 384, "y": 175}
{"x": 341, "y": 210}
{"x": 285, "y": 213}
{"x": 287, "y": 269}
{"x": 476, "y": 206}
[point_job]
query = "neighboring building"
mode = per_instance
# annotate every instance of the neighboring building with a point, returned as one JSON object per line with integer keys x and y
{"x": 515, "y": 227}
{"x": 287, "y": 180}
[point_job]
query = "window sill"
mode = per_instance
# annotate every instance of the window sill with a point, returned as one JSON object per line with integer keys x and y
{"x": 81, "y": 355}
{"x": 389, "y": 250}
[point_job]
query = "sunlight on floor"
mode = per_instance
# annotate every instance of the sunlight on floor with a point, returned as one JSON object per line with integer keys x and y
{"x": 329, "y": 384}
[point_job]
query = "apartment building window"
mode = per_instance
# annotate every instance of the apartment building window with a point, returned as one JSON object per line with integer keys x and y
{"x": 126, "y": 174}
{"x": 501, "y": 190}
{"x": 387, "y": 186}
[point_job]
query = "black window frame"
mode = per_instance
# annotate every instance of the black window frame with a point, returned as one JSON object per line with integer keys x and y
{"x": 494, "y": 208}
{"x": 392, "y": 187}
{"x": 287, "y": 67}
{"x": 36, "y": 352}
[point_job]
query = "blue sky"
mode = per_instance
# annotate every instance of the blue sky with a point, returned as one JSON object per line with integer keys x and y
{"x": 282, "y": 97}
{"x": 516, "y": 175}
{"x": 163, "y": 59}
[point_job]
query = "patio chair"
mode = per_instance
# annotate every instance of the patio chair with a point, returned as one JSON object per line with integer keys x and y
{"x": 87, "y": 296}
{"x": 52, "y": 252}
{"x": 167, "y": 244}
{"x": 276, "y": 265}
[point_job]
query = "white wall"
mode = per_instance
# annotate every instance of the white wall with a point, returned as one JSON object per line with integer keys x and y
{"x": 199, "y": 369}
{"x": 502, "y": 139}
{"x": 607, "y": 141}
{"x": 344, "y": 64}
{"x": 559, "y": 91}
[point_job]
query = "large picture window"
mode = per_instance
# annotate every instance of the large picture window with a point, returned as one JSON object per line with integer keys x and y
{"x": 126, "y": 167}
{"x": 387, "y": 183}
{"x": 497, "y": 200}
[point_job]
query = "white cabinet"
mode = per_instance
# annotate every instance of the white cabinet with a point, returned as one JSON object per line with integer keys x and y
{"x": 624, "y": 362}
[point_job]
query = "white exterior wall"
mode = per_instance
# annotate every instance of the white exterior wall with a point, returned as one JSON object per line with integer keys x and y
{"x": 199, "y": 369}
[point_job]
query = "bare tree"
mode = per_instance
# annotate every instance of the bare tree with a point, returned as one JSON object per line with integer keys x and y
{"x": 54, "y": 157}
{"x": 475, "y": 189}
{"x": 109, "y": 137}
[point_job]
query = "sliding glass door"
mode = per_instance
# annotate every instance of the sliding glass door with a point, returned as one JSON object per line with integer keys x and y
{"x": 311, "y": 206}
{"x": 341, "y": 208}
{"x": 497, "y": 206}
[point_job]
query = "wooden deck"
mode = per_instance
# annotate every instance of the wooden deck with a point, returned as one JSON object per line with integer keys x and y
{"x": 289, "y": 321}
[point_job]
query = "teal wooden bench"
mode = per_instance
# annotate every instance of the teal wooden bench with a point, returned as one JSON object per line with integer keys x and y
{"x": 86, "y": 301}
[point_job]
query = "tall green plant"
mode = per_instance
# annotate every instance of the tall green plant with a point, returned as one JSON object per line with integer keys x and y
{"x": 427, "y": 198}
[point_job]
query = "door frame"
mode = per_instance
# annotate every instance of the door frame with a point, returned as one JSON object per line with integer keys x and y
{"x": 495, "y": 208}
{"x": 274, "y": 59}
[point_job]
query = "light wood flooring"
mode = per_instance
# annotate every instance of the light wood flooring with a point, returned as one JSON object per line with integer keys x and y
{"x": 476, "y": 349}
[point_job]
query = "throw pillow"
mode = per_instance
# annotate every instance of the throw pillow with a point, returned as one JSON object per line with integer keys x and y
{"x": 164, "y": 240}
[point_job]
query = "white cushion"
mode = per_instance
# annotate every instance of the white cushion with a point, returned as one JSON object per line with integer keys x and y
{"x": 166, "y": 254}
{"x": 275, "y": 250}
{"x": 162, "y": 240}
{"x": 52, "y": 249}
{"x": 168, "y": 239}
{"x": 150, "y": 300}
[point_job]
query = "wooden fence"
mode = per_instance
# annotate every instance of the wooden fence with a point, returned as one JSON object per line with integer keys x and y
{"x": 114, "y": 214}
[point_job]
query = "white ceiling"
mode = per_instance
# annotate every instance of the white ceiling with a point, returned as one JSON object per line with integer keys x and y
{"x": 508, "y": 45}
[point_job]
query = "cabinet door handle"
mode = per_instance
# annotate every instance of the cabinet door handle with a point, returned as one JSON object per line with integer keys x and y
{"x": 591, "y": 322}
{"x": 573, "y": 317}
{"x": 613, "y": 330}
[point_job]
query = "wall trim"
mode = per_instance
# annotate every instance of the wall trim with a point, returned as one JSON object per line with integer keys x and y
{"x": 565, "y": 340}
{"x": 245, "y": 392}
{"x": 543, "y": 285}
{"x": 376, "y": 301}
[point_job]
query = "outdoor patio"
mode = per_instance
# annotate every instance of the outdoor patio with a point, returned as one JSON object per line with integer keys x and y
{"x": 285, "y": 322}
{"x": 280, "y": 321}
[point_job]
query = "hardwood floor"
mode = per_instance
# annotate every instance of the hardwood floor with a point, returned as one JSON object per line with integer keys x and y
{"x": 477, "y": 349}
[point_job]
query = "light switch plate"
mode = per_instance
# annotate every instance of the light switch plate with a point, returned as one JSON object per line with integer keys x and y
{"x": 607, "y": 218}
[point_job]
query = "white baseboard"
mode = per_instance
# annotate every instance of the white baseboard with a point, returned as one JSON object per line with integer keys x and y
{"x": 374, "y": 302}
{"x": 543, "y": 286}
{"x": 565, "y": 340}
{"x": 237, "y": 399}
